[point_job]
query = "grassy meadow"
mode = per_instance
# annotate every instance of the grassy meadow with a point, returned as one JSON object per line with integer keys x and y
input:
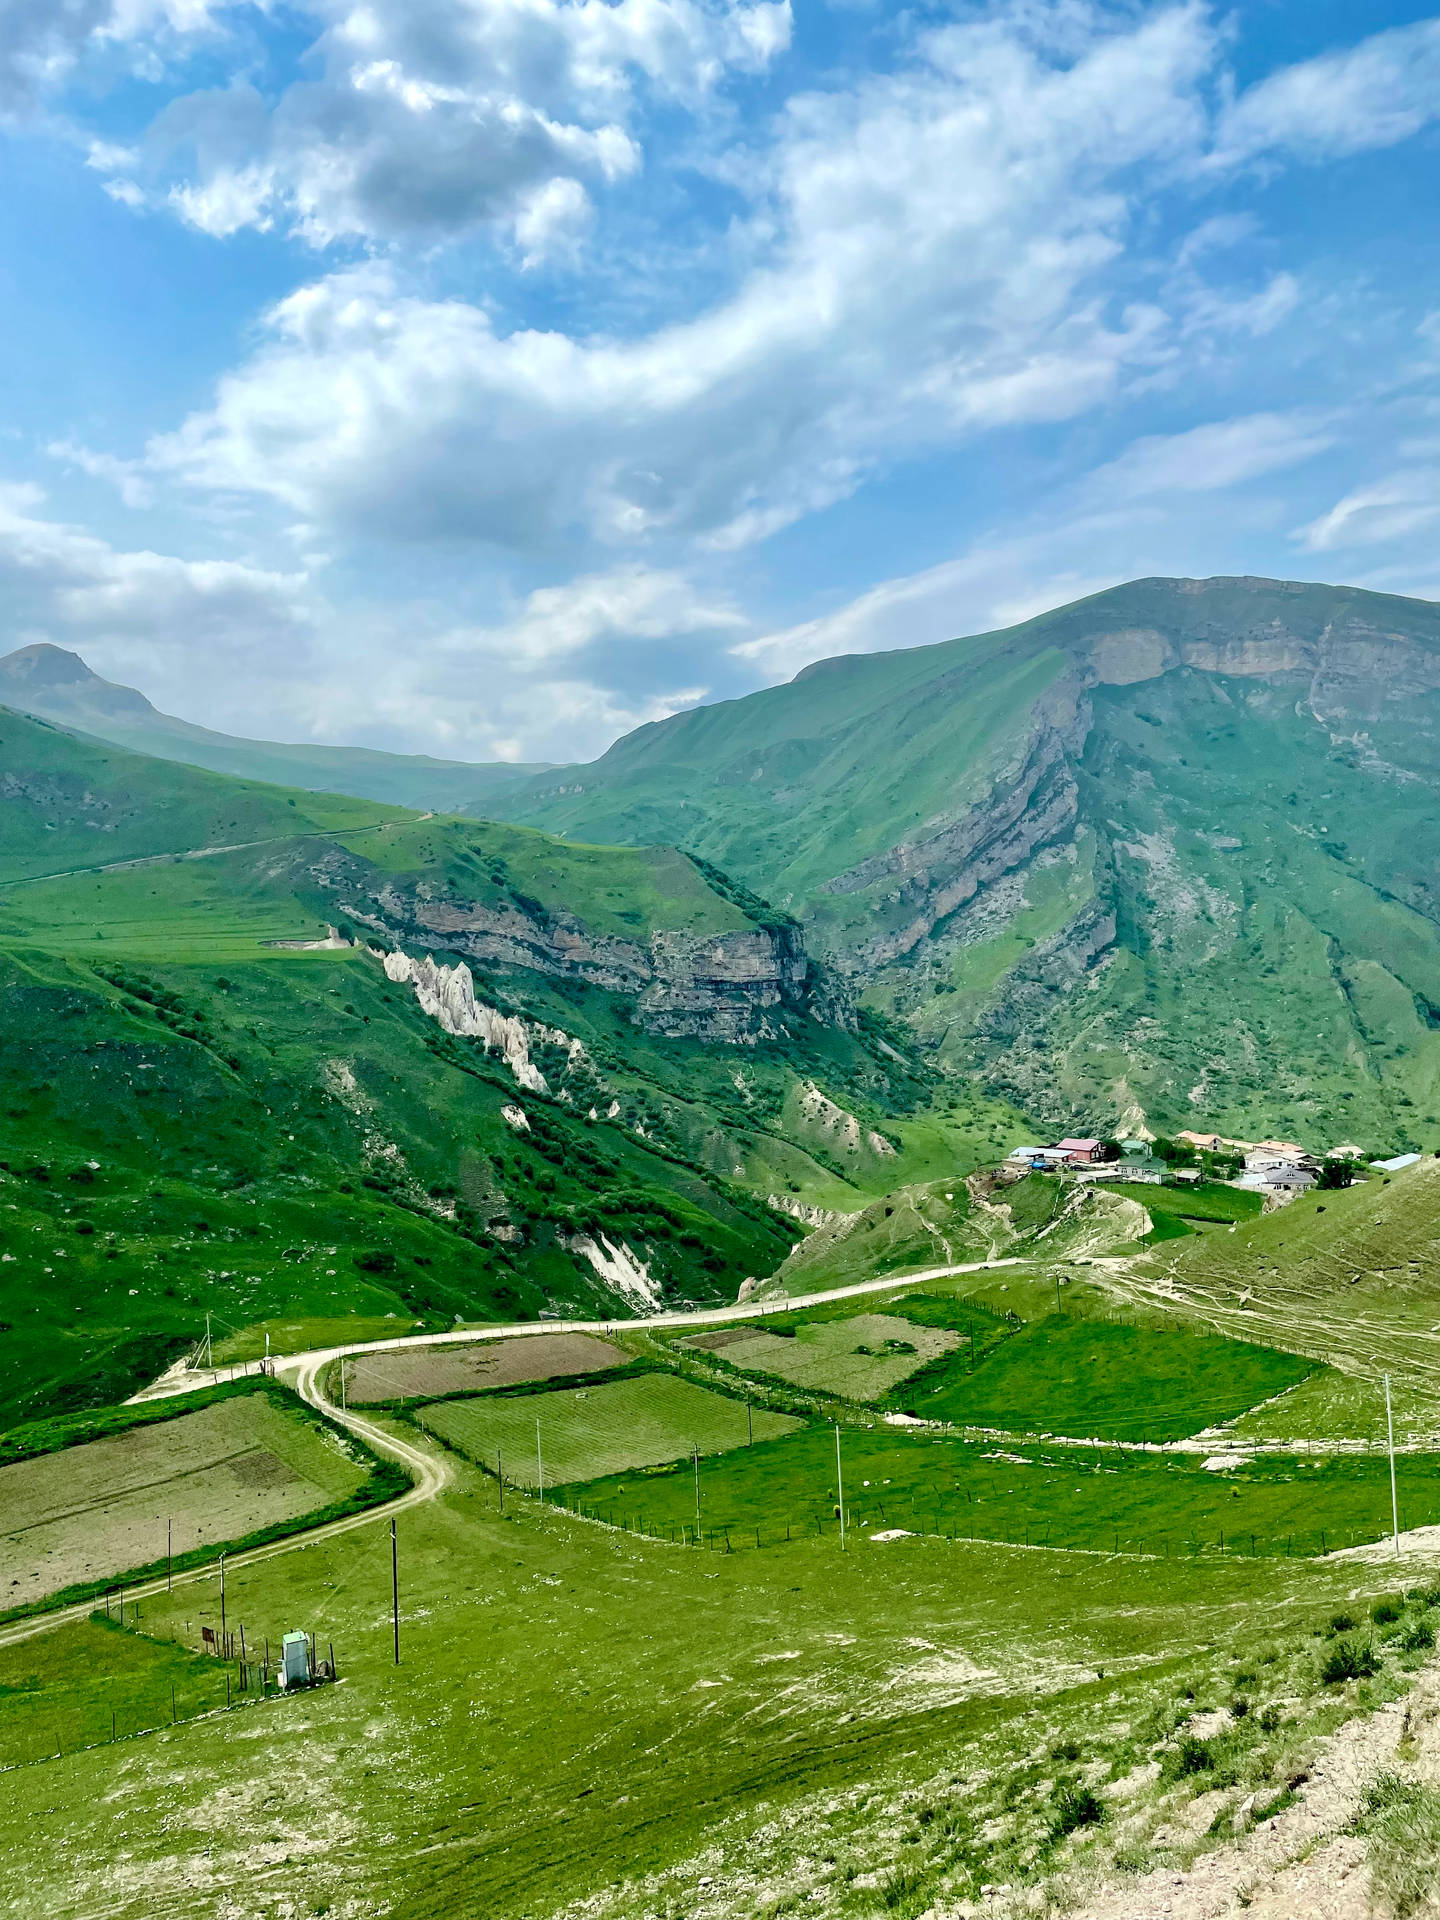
{"x": 814, "y": 1704}
{"x": 581, "y": 1433}
{"x": 1103, "y": 1380}
{"x": 1086, "y": 1500}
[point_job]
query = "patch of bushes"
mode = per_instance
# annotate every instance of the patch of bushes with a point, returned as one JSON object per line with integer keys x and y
{"x": 1191, "y": 1756}
{"x": 1349, "y": 1660}
{"x": 1075, "y": 1807}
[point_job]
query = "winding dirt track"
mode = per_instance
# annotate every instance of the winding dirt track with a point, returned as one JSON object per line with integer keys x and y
{"x": 432, "y": 1471}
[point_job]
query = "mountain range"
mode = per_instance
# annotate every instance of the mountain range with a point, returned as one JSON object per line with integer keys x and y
{"x": 1162, "y": 857}
{"x": 56, "y": 684}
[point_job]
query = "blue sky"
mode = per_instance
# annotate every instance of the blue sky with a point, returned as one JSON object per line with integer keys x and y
{"x": 485, "y": 377}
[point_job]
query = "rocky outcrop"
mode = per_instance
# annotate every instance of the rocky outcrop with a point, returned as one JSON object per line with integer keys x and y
{"x": 842, "y": 1131}
{"x": 1353, "y": 661}
{"x": 728, "y": 987}
{"x": 1031, "y": 801}
{"x": 447, "y": 994}
{"x": 620, "y": 1267}
{"x": 807, "y": 1215}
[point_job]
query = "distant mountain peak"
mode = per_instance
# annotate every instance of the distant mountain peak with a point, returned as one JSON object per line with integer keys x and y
{"x": 43, "y": 668}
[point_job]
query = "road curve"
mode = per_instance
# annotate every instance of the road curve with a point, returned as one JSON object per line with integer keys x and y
{"x": 178, "y": 1380}
{"x": 432, "y": 1472}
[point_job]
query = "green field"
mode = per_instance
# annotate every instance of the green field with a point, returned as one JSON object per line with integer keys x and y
{"x": 626, "y": 1424}
{"x": 830, "y": 1704}
{"x": 1079, "y": 1498}
{"x": 1205, "y": 1200}
{"x": 859, "y": 1358}
{"x": 1100, "y": 1380}
{"x": 59, "y": 1691}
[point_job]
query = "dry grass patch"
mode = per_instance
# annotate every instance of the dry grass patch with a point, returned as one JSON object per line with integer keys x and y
{"x": 429, "y": 1373}
{"x": 92, "y": 1512}
{"x": 860, "y": 1358}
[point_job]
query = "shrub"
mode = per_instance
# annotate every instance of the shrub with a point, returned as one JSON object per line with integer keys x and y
{"x": 376, "y": 1260}
{"x": 1401, "y": 1821}
{"x": 900, "y": 1886}
{"x": 1349, "y": 1660}
{"x": 1384, "y": 1611}
{"x": 1076, "y": 1807}
{"x": 1194, "y": 1756}
{"x": 1418, "y": 1636}
{"x": 1342, "y": 1622}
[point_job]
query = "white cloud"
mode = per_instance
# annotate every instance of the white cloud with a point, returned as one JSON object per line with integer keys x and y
{"x": 1385, "y": 510}
{"x": 1220, "y": 454}
{"x": 42, "y": 42}
{"x": 928, "y": 258}
{"x": 1373, "y": 94}
{"x": 423, "y": 119}
{"x": 142, "y": 611}
{"x": 628, "y": 603}
{"x": 126, "y": 476}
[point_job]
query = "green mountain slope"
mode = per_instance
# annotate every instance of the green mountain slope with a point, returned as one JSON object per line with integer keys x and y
{"x": 1162, "y": 856}
{"x": 54, "y": 684}
{"x": 243, "y": 1073}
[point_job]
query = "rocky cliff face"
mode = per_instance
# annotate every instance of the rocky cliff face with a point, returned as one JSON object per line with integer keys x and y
{"x": 1031, "y": 801}
{"x": 729, "y": 987}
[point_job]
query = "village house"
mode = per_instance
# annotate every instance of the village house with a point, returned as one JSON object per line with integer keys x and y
{"x": 1213, "y": 1142}
{"x": 1082, "y": 1153}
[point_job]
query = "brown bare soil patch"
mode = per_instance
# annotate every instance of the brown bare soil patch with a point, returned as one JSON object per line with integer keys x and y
{"x": 426, "y": 1373}
{"x": 93, "y": 1512}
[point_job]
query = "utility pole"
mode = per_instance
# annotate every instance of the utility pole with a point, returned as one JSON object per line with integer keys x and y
{"x": 840, "y": 1486}
{"x": 222, "y": 1607}
{"x": 695, "y": 1449}
{"x": 395, "y": 1586}
{"x": 750, "y": 1416}
{"x": 209, "y": 1350}
{"x": 500, "y": 1476}
{"x": 1394, "y": 1502}
{"x": 342, "y": 1382}
{"x": 539, "y": 1464}
{"x": 167, "y": 1556}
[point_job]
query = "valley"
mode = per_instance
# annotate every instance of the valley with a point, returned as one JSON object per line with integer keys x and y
{"x": 809, "y": 1492}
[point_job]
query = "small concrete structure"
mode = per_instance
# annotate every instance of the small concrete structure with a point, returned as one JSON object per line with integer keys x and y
{"x": 295, "y": 1660}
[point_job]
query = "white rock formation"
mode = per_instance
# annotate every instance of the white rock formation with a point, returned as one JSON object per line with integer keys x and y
{"x": 515, "y": 1117}
{"x": 619, "y": 1267}
{"x": 447, "y": 994}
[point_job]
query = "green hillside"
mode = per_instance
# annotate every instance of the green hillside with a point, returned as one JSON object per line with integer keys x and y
{"x": 208, "y": 1104}
{"x": 51, "y": 683}
{"x": 1165, "y": 856}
